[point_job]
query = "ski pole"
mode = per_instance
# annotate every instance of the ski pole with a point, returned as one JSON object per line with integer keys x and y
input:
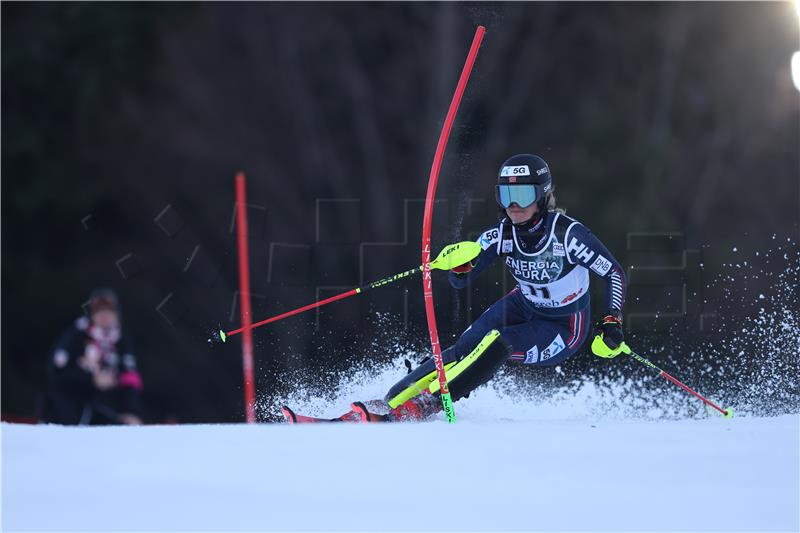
{"x": 600, "y": 349}
{"x": 451, "y": 256}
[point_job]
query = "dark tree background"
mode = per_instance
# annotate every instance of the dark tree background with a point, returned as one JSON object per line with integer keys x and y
{"x": 672, "y": 130}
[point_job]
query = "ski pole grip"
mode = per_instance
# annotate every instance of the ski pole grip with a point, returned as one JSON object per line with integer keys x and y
{"x": 601, "y": 349}
{"x": 457, "y": 254}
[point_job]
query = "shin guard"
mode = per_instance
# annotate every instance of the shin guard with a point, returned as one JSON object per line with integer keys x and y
{"x": 463, "y": 374}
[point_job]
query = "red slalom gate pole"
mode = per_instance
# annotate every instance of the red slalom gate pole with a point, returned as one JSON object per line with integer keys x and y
{"x": 244, "y": 300}
{"x": 427, "y": 287}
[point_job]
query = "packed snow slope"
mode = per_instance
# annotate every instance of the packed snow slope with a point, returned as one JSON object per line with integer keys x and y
{"x": 476, "y": 475}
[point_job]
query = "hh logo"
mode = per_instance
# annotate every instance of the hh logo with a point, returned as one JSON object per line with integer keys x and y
{"x": 579, "y": 250}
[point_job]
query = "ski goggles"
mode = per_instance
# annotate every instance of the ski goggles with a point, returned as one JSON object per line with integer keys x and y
{"x": 523, "y": 195}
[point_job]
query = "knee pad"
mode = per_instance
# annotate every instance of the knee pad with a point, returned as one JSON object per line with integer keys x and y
{"x": 463, "y": 374}
{"x": 476, "y": 368}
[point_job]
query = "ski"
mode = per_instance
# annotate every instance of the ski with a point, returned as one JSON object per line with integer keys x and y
{"x": 359, "y": 413}
{"x": 294, "y": 418}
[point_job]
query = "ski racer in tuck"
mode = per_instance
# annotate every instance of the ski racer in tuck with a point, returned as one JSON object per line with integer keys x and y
{"x": 543, "y": 321}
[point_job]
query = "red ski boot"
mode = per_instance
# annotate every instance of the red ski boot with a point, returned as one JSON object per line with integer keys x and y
{"x": 416, "y": 409}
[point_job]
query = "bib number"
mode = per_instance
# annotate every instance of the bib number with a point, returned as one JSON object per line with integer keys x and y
{"x": 540, "y": 292}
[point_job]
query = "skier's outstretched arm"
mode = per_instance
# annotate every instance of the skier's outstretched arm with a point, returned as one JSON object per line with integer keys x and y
{"x": 463, "y": 275}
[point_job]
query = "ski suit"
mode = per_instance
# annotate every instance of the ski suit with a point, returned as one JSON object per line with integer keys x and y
{"x": 543, "y": 321}
{"x": 545, "y": 318}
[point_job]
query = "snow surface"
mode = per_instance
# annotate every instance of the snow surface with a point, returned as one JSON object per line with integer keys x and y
{"x": 476, "y": 475}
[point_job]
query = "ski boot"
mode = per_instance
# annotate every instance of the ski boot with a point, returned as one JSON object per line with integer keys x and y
{"x": 417, "y": 409}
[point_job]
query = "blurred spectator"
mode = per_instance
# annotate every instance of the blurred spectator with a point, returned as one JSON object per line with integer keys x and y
{"x": 92, "y": 375}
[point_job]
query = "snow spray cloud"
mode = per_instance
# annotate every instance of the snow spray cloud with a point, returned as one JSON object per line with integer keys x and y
{"x": 751, "y": 365}
{"x": 760, "y": 349}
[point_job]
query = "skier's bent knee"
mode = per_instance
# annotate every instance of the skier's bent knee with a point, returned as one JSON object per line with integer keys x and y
{"x": 464, "y": 374}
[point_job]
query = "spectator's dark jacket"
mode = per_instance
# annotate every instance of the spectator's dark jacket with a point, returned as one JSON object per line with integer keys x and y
{"x": 72, "y": 397}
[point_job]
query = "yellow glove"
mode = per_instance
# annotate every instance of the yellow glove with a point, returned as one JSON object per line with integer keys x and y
{"x": 608, "y": 340}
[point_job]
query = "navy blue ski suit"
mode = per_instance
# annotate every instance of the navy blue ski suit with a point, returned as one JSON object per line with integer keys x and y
{"x": 546, "y": 317}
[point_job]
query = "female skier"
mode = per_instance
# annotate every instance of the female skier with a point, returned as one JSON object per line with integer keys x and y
{"x": 543, "y": 321}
